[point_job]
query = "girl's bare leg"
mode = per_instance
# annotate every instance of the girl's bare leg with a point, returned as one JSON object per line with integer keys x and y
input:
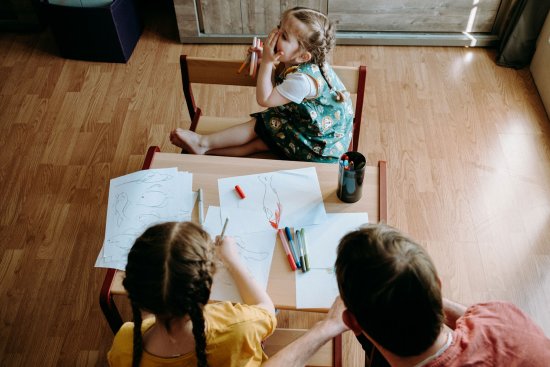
{"x": 234, "y": 136}
{"x": 255, "y": 146}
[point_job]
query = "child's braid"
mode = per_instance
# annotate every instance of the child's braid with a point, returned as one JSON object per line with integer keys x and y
{"x": 197, "y": 318}
{"x": 138, "y": 339}
{"x": 197, "y": 296}
{"x": 169, "y": 273}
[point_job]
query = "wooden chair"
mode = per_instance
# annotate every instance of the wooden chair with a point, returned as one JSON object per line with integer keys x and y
{"x": 330, "y": 354}
{"x": 224, "y": 72}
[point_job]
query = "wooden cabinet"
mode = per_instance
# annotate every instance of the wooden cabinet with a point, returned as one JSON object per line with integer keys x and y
{"x": 232, "y": 21}
{"x": 414, "y": 15}
{"x": 428, "y": 22}
{"x": 539, "y": 65}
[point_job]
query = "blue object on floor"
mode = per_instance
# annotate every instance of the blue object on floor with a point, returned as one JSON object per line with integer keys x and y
{"x": 105, "y": 33}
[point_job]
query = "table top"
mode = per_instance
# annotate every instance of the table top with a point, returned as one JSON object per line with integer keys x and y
{"x": 208, "y": 169}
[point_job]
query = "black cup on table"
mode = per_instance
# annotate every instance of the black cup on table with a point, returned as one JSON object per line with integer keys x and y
{"x": 351, "y": 173}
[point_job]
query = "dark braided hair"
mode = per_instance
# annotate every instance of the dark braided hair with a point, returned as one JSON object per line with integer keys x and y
{"x": 169, "y": 273}
{"x": 138, "y": 338}
{"x": 319, "y": 41}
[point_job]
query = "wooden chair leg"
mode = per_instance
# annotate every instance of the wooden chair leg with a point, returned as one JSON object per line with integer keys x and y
{"x": 337, "y": 351}
{"x": 107, "y": 303}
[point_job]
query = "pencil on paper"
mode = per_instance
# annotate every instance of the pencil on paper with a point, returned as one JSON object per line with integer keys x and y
{"x": 223, "y": 230}
{"x": 201, "y": 208}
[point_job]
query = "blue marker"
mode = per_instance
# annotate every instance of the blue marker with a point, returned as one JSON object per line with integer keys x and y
{"x": 292, "y": 248}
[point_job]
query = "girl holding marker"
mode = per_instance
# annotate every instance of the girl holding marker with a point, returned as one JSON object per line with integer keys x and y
{"x": 309, "y": 114}
{"x": 169, "y": 276}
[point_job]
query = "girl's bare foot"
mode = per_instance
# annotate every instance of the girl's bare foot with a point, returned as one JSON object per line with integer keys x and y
{"x": 188, "y": 140}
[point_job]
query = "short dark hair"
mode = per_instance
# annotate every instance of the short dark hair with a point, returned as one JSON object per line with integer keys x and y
{"x": 391, "y": 286}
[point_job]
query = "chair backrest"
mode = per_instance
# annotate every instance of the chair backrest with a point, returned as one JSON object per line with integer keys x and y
{"x": 224, "y": 72}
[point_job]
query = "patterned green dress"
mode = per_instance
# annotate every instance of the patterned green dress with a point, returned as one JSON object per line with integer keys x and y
{"x": 318, "y": 130}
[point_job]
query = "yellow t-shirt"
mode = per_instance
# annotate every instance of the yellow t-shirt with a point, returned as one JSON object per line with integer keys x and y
{"x": 234, "y": 333}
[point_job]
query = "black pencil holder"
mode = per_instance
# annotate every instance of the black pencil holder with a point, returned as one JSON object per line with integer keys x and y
{"x": 351, "y": 173}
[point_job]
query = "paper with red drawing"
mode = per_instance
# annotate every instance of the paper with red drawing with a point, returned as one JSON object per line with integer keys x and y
{"x": 289, "y": 198}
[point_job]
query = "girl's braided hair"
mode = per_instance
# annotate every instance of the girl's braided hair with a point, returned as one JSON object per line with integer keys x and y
{"x": 169, "y": 273}
{"x": 319, "y": 41}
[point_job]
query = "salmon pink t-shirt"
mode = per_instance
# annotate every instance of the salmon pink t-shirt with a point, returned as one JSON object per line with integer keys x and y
{"x": 495, "y": 334}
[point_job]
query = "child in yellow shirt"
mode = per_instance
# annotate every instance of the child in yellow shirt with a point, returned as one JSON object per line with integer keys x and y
{"x": 169, "y": 274}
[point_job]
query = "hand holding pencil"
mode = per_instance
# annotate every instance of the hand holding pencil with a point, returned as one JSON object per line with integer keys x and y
{"x": 226, "y": 249}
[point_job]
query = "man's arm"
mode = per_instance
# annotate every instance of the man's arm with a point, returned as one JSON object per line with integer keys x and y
{"x": 453, "y": 311}
{"x": 297, "y": 353}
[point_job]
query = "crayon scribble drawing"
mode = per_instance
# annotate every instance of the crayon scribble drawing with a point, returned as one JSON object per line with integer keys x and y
{"x": 251, "y": 254}
{"x": 139, "y": 200}
{"x": 153, "y": 197}
{"x": 271, "y": 201}
{"x": 254, "y": 258}
{"x": 255, "y": 250}
{"x": 121, "y": 205}
{"x": 149, "y": 176}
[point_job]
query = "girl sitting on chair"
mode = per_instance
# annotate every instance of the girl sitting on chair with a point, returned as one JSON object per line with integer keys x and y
{"x": 309, "y": 115}
{"x": 169, "y": 275}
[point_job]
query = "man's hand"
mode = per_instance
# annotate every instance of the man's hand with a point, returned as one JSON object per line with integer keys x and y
{"x": 334, "y": 317}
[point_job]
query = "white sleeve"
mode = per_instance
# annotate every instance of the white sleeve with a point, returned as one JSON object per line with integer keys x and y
{"x": 296, "y": 87}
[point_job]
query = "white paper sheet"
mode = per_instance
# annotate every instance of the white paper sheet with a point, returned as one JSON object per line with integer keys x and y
{"x": 256, "y": 251}
{"x": 322, "y": 241}
{"x": 139, "y": 200}
{"x": 273, "y": 200}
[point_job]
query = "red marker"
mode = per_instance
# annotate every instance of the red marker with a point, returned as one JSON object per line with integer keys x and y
{"x": 240, "y": 191}
{"x": 286, "y": 247}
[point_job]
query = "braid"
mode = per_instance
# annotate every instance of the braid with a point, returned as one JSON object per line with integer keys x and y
{"x": 197, "y": 318}
{"x": 138, "y": 339}
{"x": 169, "y": 273}
{"x": 339, "y": 95}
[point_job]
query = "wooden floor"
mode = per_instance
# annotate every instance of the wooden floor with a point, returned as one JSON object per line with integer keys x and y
{"x": 467, "y": 145}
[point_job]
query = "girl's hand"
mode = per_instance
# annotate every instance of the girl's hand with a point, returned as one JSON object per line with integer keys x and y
{"x": 270, "y": 54}
{"x": 226, "y": 249}
{"x": 258, "y": 50}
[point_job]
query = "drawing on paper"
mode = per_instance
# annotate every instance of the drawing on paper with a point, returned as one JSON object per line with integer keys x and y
{"x": 153, "y": 197}
{"x": 149, "y": 177}
{"x": 124, "y": 240}
{"x": 248, "y": 254}
{"x": 121, "y": 204}
{"x": 251, "y": 258}
{"x": 137, "y": 201}
{"x": 271, "y": 202}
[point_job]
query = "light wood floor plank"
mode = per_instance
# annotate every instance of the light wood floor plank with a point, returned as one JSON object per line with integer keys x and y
{"x": 467, "y": 145}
